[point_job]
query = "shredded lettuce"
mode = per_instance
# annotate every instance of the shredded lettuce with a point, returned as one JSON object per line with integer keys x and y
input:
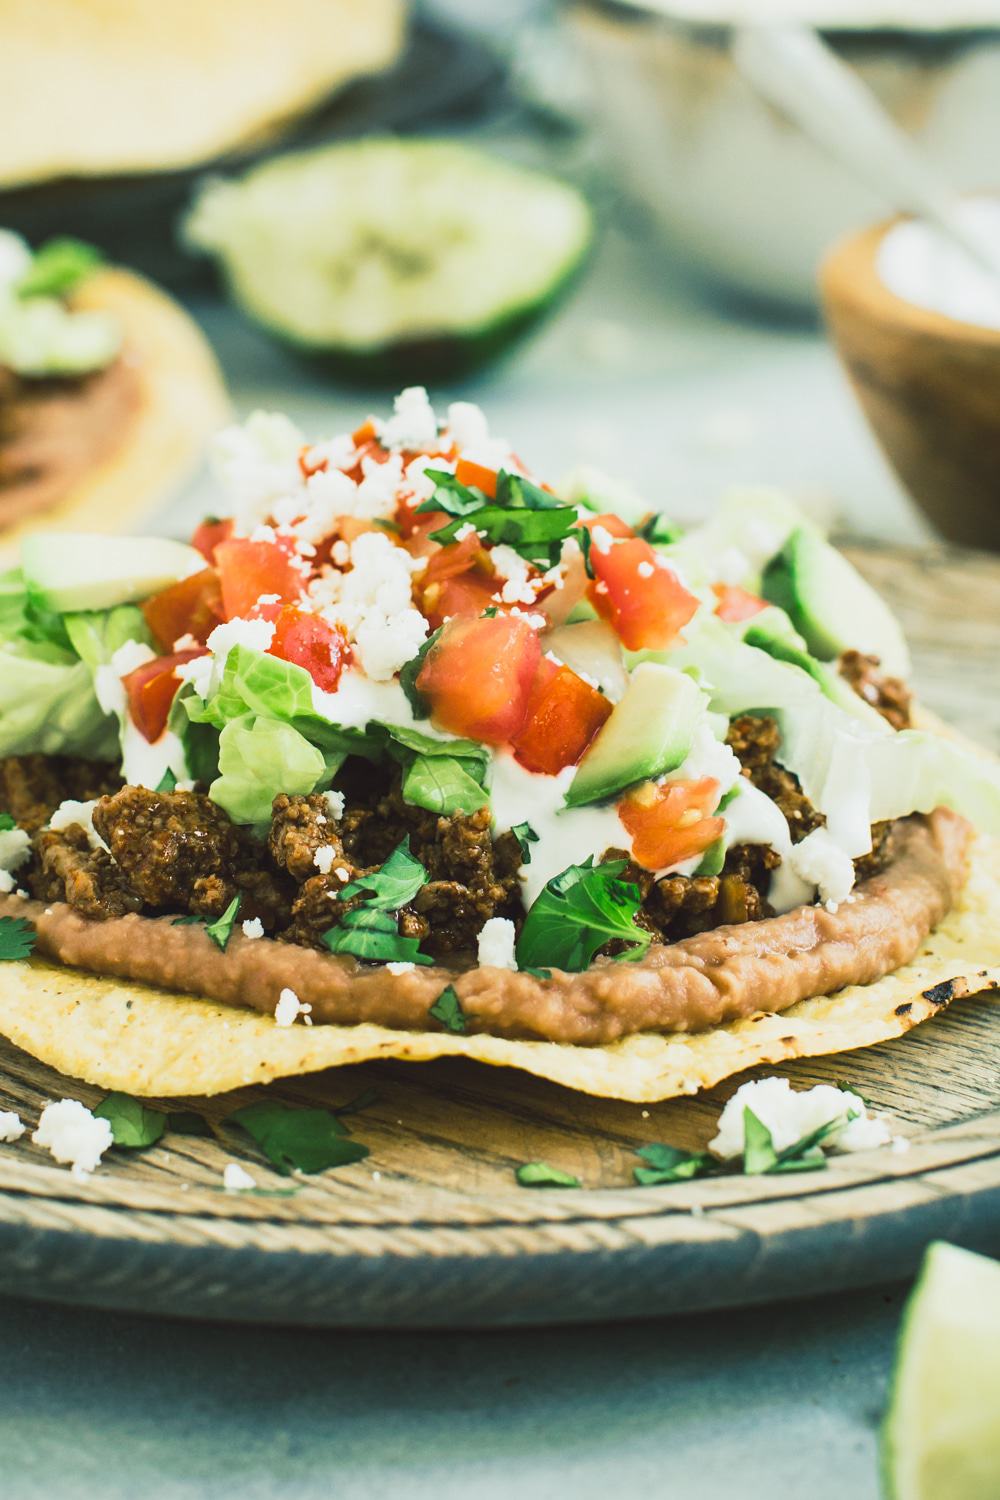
{"x": 97, "y": 634}
{"x": 258, "y": 758}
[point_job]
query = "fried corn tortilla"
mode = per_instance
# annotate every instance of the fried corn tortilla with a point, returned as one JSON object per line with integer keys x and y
{"x": 150, "y": 1042}
{"x": 96, "y": 87}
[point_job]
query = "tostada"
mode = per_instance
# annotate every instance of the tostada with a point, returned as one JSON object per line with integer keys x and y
{"x": 409, "y": 754}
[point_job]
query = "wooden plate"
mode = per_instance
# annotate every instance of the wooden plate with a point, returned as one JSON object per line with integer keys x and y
{"x": 431, "y": 1230}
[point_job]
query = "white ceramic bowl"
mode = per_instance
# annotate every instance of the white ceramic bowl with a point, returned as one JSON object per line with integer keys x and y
{"x": 732, "y": 182}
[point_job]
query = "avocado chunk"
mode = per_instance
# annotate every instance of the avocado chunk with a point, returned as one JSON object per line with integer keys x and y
{"x": 650, "y": 732}
{"x": 831, "y": 604}
{"x": 78, "y": 570}
{"x": 787, "y": 648}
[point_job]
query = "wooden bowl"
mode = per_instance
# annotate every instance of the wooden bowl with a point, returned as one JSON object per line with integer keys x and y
{"x": 929, "y": 386}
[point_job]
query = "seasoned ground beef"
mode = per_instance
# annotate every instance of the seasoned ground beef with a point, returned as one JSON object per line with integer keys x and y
{"x": 889, "y": 695}
{"x": 754, "y": 740}
{"x": 178, "y": 850}
{"x": 66, "y": 868}
{"x": 678, "y": 906}
{"x": 33, "y": 786}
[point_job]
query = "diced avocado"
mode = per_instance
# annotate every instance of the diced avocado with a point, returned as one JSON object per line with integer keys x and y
{"x": 769, "y": 637}
{"x": 77, "y": 570}
{"x": 831, "y": 604}
{"x": 649, "y": 732}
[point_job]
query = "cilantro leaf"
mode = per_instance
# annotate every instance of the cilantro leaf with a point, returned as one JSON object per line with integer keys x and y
{"x": 536, "y": 535}
{"x": 538, "y": 973}
{"x": 516, "y": 491}
{"x": 391, "y": 887}
{"x": 536, "y": 1174}
{"x": 17, "y": 938}
{"x": 526, "y": 836}
{"x": 6, "y": 822}
{"x": 134, "y": 1125}
{"x": 186, "y": 921}
{"x": 586, "y": 541}
{"x": 221, "y": 930}
{"x": 760, "y": 1156}
{"x": 167, "y": 782}
{"x": 658, "y": 530}
{"x": 447, "y": 1009}
{"x": 58, "y": 267}
{"x": 577, "y": 913}
{"x": 442, "y": 785}
{"x": 409, "y": 673}
{"x": 451, "y": 496}
{"x": 307, "y": 1140}
{"x": 373, "y": 935}
{"x": 671, "y": 1164}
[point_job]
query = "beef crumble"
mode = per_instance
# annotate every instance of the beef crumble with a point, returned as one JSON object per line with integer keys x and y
{"x": 33, "y": 786}
{"x": 889, "y": 695}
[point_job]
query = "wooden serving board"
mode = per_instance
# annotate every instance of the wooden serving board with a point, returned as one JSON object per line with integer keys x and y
{"x": 432, "y": 1230}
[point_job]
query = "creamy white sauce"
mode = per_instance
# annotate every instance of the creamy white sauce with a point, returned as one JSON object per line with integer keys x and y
{"x": 360, "y": 699}
{"x": 566, "y": 836}
{"x": 144, "y": 764}
{"x": 918, "y": 264}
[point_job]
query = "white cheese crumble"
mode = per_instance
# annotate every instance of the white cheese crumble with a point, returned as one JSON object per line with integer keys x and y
{"x": 235, "y": 1179}
{"x": 820, "y": 862}
{"x": 257, "y": 463}
{"x": 512, "y": 567}
{"x": 11, "y": 1128}
{"x": 335, "y": 802}
{"x": 467, "y": 424}
{"x": 791, "y": 1114}
{"x": 256, "y": 635}
{"x": 375, "y": 604}
{"x": 601, "y": 538}
{"x": 71, "y": 814}
{"x": 289, "y": 1008}
{"x": 129, "y": 656}
{"x": 413, "y": 423}
{"x": 253, "y": 927}
{"x": 15, "y": 850}
{"x": 324, "y": 857}
{"x": 74, "y": 1136}
{"x": 401, "y": 966}
{"x": 496, "y": 944}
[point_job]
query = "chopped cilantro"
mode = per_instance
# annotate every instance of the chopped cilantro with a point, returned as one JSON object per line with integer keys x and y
{"x": 804, "y": 1155}
{"x": 451, "y": 496}
{"x": 17, "y": 938}
{"x": 586, "y": 541}
{"x": 167, "y": 782}
{"x": 57, "y": 268}
{"x": 391, "y": 887}
{"x": 516, "y": 491}
{"x": 447, "y": 1009}
{"x": 491, "y": 613}
{"x": 373, "y": 935}
{"x": 671, "y": 1164}
{"x": 523, "y": 516}
{"x": 577, "y": 913}
{"x": 134, "y": 1125}
{"x": 538, "y": 973}
{"x": 658, "y": 530}
{"x": 186, "y": 921}
{"x": 409, "y": 673}
{"x": 304, "y": 1140}
{"x": 221, "y": 930}
{"x": 536, "y": 1174}
{"x": 6, "y": 822}
{"x": 526, "y": 836}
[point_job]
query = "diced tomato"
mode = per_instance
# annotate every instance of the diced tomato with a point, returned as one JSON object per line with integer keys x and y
{"x": 364, "y": 434}
{"x": 477, "y": 476}
{"x": 191, "y": 607}
{"x": 478, "y": 676}
{"x": 639, "y": 594}
{"x": 248, "y": 569}
{"x": 669, "y": 823}
{"x": 209, "y": 534}
{"x": 736, "y": 603}
{"x": 612, "y": 524}
{"x": 564, "y": 714}
{"x": 310, "y": 462}
{"x": 308, "y": 641}
{"x": 458, "y": 580}
{"x": 150, "y": 691}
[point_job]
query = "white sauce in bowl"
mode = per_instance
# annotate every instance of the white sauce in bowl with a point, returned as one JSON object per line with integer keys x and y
{"x": 916, "y": 263}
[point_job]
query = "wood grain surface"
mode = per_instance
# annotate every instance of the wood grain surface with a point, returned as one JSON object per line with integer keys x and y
{"x": 432, "y": 1229}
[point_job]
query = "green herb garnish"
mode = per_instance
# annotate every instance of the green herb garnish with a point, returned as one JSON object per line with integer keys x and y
{"x": 442, "y": 785}
{"x": 17, "y": 938}
{"x": 577, "y": 913}
{"x": 134, "y": 1125}
{"x": 447, "y": 1009}
{"x": 526, "y": 836}
{"x": 804, "y": 1155}
{"x": 188, "y": 1122}
{"x": 522, "y": 516}
{"x": 538, "y": 973}
{"x": 167, "y": 782}
{"x": 409, "y": 673}
{"x": 536, "y": 1174}
{"x": 59, "y": 266}
{"x": 373, "y": 935}
{"x": 221, "y": 930}
{"x": 658, "y": 530}
{"x": 391, "y": 887}
{"x": 671, "y": 1164}
{"x": 304, "y": 1140}
{"x": 7, "y": 822}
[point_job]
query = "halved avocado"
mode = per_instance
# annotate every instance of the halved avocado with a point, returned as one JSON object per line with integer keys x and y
{"x": 394, "y": 259}
{"x": 649, "y": 732}
{"x": 79, "y": 571}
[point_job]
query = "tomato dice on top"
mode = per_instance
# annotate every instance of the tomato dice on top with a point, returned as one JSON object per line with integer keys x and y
{"x": 477, "y": 476}
{"x": 735, "y": 603}
{"x": 564, "y": 714}
{"x": 191, "y": 607}
{"x": 151, "y": 689}
{"x": 639, "y": 594}
{"x": 478, "y": 676}
{"x": 308, "y": 641}
{"x": 249, "y": 569}
{"x": 209, "y": 534}
{"x": 670, "y": 822}
{"x": 609, "y": 522}
{"x": 458, "y": 580}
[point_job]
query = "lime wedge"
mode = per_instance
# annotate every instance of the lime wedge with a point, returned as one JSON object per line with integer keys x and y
{"x": 941, "y": 1439}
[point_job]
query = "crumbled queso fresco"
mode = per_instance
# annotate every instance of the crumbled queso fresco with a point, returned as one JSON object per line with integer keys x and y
{"x": 73, "y": 1135}
{"x": 289, "y": 1008}
{"x": 790, "y": 1114}
{"x": 496, "y": 943}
